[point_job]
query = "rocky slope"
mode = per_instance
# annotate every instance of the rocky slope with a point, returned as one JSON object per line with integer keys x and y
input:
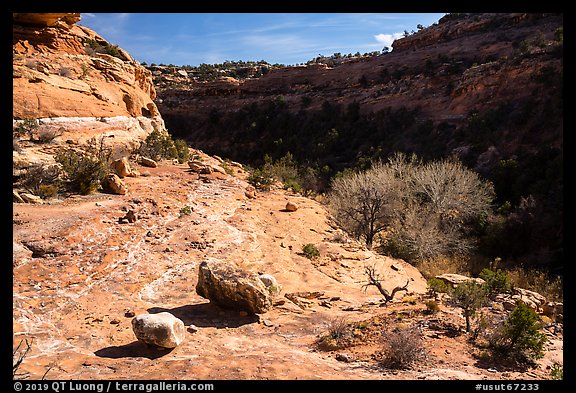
{"x": 76, "y": 85}
{"x": 84, "y": 266}
{"x": 81, "y": 273}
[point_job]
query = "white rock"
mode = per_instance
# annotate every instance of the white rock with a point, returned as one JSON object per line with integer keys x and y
{"x": 162, "y": 329}
{"x": 270, "y": 283}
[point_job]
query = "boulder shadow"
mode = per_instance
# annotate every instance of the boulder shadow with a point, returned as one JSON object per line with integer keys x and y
{"x": 207, "y": 315}
{"x": 134, "y": 349}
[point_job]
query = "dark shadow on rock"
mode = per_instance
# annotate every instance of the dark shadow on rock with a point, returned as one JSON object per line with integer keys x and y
{"x": 207, "y": 315}
{"x": 134, "y": 349}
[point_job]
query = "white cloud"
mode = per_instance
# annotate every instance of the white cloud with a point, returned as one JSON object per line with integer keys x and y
{"x": 388, "y": 39}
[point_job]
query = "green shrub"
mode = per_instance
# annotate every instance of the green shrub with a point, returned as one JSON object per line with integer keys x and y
{"x": 520, "y": 336}
{"x": 186, "y": 210}
{"x": 26, "y": 127}
{"x": 436, "y": 286}
{"x": 92, "y": 47}
{"x": 284, "y": 170}
{"x": 41, "y": 180}
{"x": 432, "y": 307}
{"x": 82, "y": 173}
{"x": 182, "y": 151}
{"x": 159, "y": 145}
{"x": 469, "y": 296}
{"x": 496, "y": 281}
{"x": 84, "y": 169}
{"x": 310, "y": 251}
{"x": 557, "y": 372}
{"x": 261, "y": 179}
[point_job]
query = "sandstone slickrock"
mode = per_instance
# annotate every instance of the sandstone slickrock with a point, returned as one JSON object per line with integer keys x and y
{"x": 62, "y": 78}
{"x": 455, "y": 279}
{"x": 162, "y": 329}
{"x": 113, "y": 184}
{"x": 228, "y": 286}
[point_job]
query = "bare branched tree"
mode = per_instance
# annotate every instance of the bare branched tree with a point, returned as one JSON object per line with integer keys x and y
{"x": 364, "y": 203}
{"x": 17, "y": 359}
{"x": 426, "y": 210}
{"x": 374, "y": 279}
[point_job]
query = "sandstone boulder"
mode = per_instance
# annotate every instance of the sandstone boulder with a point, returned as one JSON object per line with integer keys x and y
{"x": 16, "y": 197}
{"x": 195, "y": 166}
{"x": 113, "y": 184}
{"x": 122, "y": 167}
{"x": 31, "y": 198}
{"x": 20, "y": 253}
{"x": 455, "y": 279}
{"x": 551, "y": 309}
{"x": 270, "y": 283}
{"x": 148, "y": 162}
{"x": 291, "y": 207}
{"x": 533, "y": 299}
{"x": 228, "y": 286}
{"x": 162, "y": 329}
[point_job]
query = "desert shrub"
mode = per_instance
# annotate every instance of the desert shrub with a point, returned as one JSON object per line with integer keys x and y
{"x": 85, "y": 70}
{"x": 495, "y": 281}
{"x": 65, "y": 72}
{"x": 337, "y": 337}
{"x": 538, "y": 281}
{"x": 84, "y": 169}
{"x": 41, "y": 180}
{"x": 92, "y": 47}
{"x": 432, "y": 267}
{"x": 18, "y": 356}
{"x": 482, "y": 323}
{"x": 432, "y": 307}
{"x": 261, "y": 179}
{"x": 159, "y": 145}
{"x": 520, "y": 336}
{"x": 364, "y": 203}
{"x": 469, "y": 296}
{"x": 436, "y": 286}
{"x": 403, "y": 348}
{"x": 557, "y": 371}
{"x": 182, "y": 152}
{"x": 284, "y": 170}
{"x": 310, "y": 251}
{"x": 185, "y": 211}
{"x": 26, "y": 127}
{"x": 81, "y": 173}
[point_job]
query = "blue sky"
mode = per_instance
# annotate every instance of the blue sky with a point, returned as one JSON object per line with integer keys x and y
{"x": 286, "y": 38}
